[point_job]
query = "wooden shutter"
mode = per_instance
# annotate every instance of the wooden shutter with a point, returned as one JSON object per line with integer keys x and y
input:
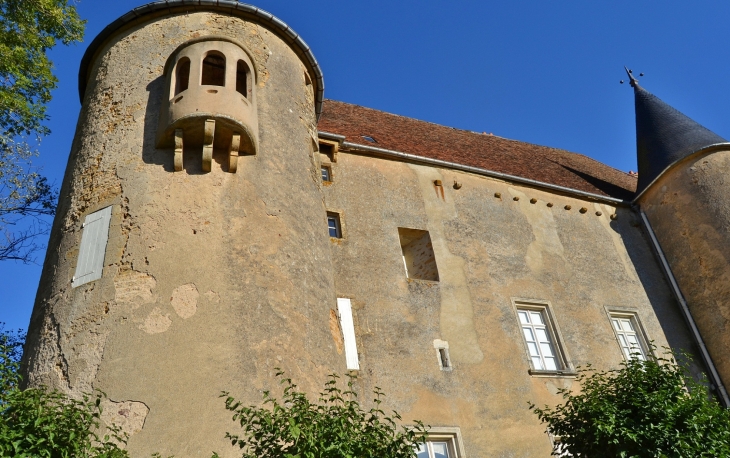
{"x": 93, "y": 247}
{"x": 348, "y": 331}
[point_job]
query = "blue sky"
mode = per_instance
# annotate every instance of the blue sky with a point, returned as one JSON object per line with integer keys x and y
{"x": 537, "y": 71}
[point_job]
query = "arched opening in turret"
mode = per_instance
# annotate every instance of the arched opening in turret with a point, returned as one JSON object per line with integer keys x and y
{"x": 214, "y": 69}
{"x": 182, "y": 75}
{"x": 243, "y": 74}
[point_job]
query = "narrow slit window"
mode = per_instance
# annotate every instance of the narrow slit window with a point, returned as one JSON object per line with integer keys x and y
{"x": 539, "y": 339}
{"x": 344, "y": 309}
{"x": 214, "y": 70}
{"x": 629, "y": 336}
{"x": 418, "y": 256}
{"x": 93, "y": 247}
{"x": 242, "y": 75}
{"x": 182, "y": 75}
{"x": 333, "y": 225}
{"x": 444, "y": 360}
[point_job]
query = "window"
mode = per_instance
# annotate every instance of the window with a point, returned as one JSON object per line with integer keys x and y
{"x": 441, "y": 443}
{"x": 333, "y": 225}
{"x": 214, "y": 70}
{"x": 369, "y": 138}
{"x": 442, "y": 352}
{"x": 629, "y": 336}
{"x": 540, "y": 334}
{"x": 242, "y": 74}
{"x": 326, "y": 173}
{"x": 418, "y": 256}
{"x": 347, "y": 324}
{"x": 93, "y": 247}
{"x": 182, "y": 75}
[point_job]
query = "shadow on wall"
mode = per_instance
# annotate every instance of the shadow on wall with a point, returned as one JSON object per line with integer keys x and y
{"x": 164, "y": 157}
{"x": 658, "y": 289}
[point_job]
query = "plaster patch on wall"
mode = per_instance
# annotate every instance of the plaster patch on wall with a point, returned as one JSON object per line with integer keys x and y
{"x": 185, "y": 300}
{"x": 156, "y": 322}
{"x": 84, "y": 363}
{"x": 335, "y": 330}
{"x": 457, "y": 312}
{"x": 545, "y": 231}
{"x": 213, "y": 297}
{"x": 129, "y": 416}
{"x": 134, "y": 287}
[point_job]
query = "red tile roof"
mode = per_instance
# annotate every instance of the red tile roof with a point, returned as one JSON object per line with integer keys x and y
{"x": 421, "y": 138}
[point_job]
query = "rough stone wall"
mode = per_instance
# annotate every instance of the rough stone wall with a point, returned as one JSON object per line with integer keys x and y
{"x": 689, "y": 211}
{"x": 210, "y": 281}
{"x": 489, "y": 251}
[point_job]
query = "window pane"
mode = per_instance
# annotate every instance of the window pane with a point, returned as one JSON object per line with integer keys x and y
{"x": 547, "y": 349}
{"x": 550, "y": 364}
{"x": 537, "y": 363}
{"x": 627, "y": 325}
{"x": 421, "y": 451}
{"x": 440, "y": 450}
{"x": 528, "y": 334}
{"x": 325, "y": 174}
{"x": 536, "y": 318}
{"x": 542, "y": 335}
{"x": 616, "y": 324}
{"x": 532, "y": 347}
{"x": 523, "y": 317}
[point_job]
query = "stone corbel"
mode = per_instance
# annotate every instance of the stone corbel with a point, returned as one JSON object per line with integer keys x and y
{"x": 208, "y": 137}
{"x": 178, "y": 150}
{"x": 233, "y": 152}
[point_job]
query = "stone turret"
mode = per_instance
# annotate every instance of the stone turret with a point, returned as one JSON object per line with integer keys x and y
{"x": 168, "y": 278}
{"x": 684, "y": 191}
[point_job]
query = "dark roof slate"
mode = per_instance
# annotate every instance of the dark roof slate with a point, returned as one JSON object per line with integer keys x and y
{"x": 421, "y": 138}
{"x": 664, "y": 136}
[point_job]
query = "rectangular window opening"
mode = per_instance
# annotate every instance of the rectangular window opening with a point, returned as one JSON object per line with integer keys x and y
{"x": 344, "y": 309}
{"x": 444, "y": 359}
{"x": 541, "y": 342}
{"x": 326, "y": 173}
{"x": 629, "y": 335}
{"x": 93, "y": 247}
{"x": 441, "y": 443}
{"x": 333, "y": 225}
{"x": 418, "y": 256}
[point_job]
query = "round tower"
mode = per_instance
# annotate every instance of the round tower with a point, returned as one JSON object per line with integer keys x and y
{"x": 190, "y": 251}
{"x": 684, "y": 194}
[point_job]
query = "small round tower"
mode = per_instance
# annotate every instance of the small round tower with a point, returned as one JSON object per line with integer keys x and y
{"x": 190, "y": 252}
{"x": 684, "y": 193}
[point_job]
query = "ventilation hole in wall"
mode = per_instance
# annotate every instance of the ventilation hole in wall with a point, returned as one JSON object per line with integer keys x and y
{"x": 178, "y": 99}
{"x": 418, "y": 257}
{"x": 212, "y": 91}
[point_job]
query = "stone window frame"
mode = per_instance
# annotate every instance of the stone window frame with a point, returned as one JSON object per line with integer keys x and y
{"x": 442, "y": 355}
{"x": 449, "y": 434}
{"x": 341, "y": 221}
{"x": 633, "y": 315}
{"x": 546, "y": 308}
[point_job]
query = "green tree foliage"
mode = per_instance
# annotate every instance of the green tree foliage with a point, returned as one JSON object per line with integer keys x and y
{"x": 334, "y": 427}
{"x": 28, "y": 29}
{"x": 644, "y": 409}
{"x": 48, "y": 424}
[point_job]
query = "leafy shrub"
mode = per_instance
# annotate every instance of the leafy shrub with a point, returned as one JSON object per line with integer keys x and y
{"x": 334, "y": 427}
{"x": 648, "y": 408}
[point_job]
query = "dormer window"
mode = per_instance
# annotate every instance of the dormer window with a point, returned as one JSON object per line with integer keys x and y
{"x": 182, "y": 75}
{"x": 242, "y": 78}
{"x": 214, "y": 69}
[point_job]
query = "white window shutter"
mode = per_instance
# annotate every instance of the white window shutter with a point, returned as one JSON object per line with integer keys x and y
{"x": 344, "y": 307}
{"x": 93, "y": 247}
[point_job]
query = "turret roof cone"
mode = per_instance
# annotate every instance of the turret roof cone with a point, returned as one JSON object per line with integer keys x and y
{"x": 664, "y": 136}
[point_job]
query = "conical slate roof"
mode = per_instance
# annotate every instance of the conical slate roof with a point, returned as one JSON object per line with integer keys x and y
{"x": 664, "y": 136}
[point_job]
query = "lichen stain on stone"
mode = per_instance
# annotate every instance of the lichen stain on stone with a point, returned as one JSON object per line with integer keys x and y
{"x": 185, "y": 300}
{"x": 156, "y": 322}
{"x": 134, "y": 287}
{"x": 128, "y": 416}
{"x": 335, "y": 330}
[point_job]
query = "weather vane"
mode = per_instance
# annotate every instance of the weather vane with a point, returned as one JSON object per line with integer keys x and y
{"x": 633, "y": 81}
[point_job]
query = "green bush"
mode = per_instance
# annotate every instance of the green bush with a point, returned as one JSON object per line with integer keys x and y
{"x": 37, "y": 422}
{"x": 335, "y": 426}
{"x": 644, "y": 409}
